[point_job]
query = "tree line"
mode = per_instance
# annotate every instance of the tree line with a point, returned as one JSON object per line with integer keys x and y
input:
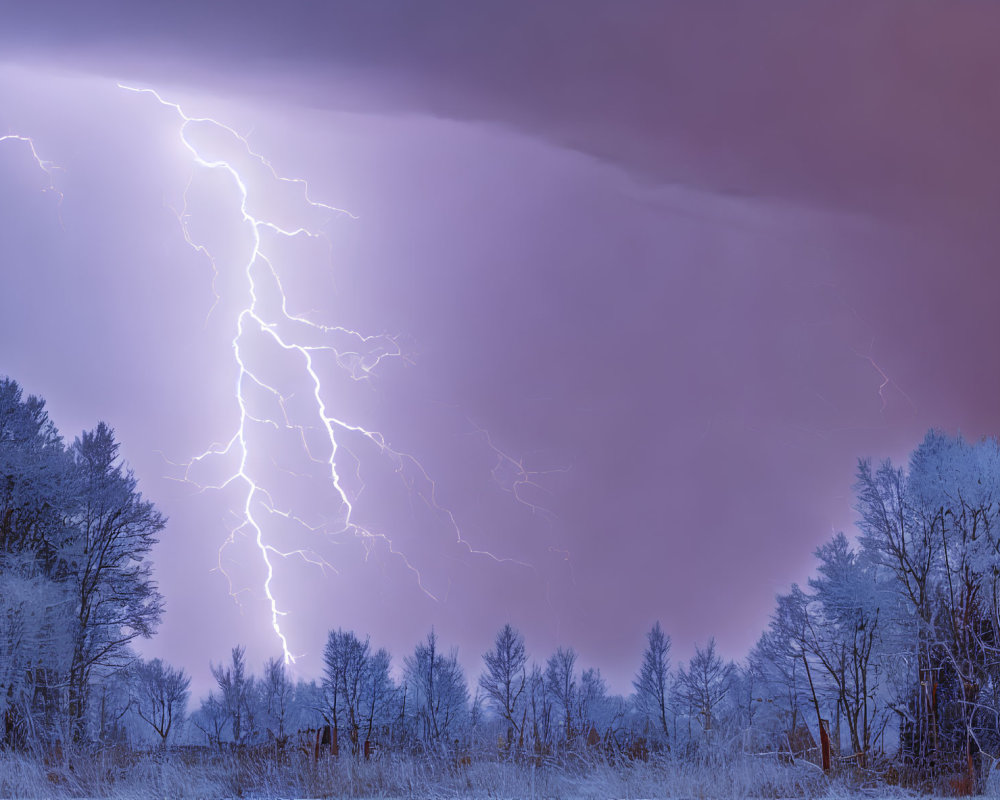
{"x": 76, "y": 586}
{"x": 898, "y": 632}
{"x": 889, "y": 654}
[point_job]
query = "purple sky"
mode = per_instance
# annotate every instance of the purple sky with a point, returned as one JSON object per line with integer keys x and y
{"x": 671, "y": 250}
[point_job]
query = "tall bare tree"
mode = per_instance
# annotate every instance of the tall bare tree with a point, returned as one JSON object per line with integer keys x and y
{"x": 505, "y": 677}
{"x": 345, "y": 680}
{"x": 440, "y": 695}
{"x": 278, "y": 691}
{"x": 238, "y": 696}
{"x": 561, "y": 683}
{"x": 116, "y": 597}
{"x": 652, "y": 683}
{"x": 704, "y": 684}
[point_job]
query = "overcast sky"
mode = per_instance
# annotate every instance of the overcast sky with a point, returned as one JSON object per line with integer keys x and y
{"x": 688, "y": 262}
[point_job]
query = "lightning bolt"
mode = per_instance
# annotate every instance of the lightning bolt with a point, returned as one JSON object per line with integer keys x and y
{"x": 886, "y": 380}
{"x": 514, "y": 477}
{"x": 266, "y": 314}
{"x": 47, "y": 167}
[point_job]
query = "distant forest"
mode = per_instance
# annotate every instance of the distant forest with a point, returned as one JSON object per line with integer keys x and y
{"x": 884, "y": 667}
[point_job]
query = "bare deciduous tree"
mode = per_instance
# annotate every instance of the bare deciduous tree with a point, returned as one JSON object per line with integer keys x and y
{"x": 277, "y": 691}
{"x": 159, "y": 695}
{"x": 116, "y": 598}
{"x": 238, "y": 692}
{"x": 440, "y": 696}
{"x": 652, "y": 682}
{"x": 560, "y": 681}
{"x": 705, "y": 683}
{"x": 505, "y": 677}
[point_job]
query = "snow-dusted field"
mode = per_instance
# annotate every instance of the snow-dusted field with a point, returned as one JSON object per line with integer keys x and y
{"x": 399, "y": 777}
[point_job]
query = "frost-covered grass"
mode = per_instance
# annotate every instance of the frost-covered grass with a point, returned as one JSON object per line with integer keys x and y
{"x": 104, "y": 775}
{"x": 215, "y": 776}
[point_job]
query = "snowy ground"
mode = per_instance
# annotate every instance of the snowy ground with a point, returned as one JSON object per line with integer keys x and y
{"x": 400, "y": 777}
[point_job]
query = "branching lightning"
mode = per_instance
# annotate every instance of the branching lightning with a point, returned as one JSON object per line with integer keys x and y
{"x": 886, "y": 380}
{"x": 48, "y": 167}
{"x": 266, "y": 313}
{"x": 514, "y": 477}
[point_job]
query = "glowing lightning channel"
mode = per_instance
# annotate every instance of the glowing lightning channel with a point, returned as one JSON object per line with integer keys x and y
{"x": 358, "y": 360}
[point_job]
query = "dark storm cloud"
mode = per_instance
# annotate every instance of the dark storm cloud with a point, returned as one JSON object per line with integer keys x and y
{"x": 891, "y": 107}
